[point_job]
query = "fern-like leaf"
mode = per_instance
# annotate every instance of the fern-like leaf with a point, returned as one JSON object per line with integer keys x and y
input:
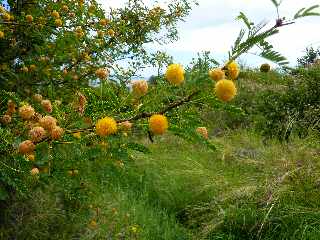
{"x": 276, "y": 3}
{"x": 274, "y": 57}
{"x": 238, "y": 40}
{"x": 303, "y": 12}
{"x": 245, "y": 19}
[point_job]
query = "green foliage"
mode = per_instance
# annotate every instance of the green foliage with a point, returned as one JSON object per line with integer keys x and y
{"x": 305, "y": 12}
{"x": 295, "y": 110}
{"x": 276, "y": 3}
{"x": 270, "y": 54}
{"x": 309, "y": 58}
{"x": 81, "y": 45}
{"x": 83, "y": 70}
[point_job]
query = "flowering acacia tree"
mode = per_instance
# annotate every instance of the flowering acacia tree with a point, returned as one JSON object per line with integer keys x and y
{"x": 66, "y": 101}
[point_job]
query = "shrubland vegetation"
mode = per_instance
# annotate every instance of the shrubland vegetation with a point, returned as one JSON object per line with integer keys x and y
{"x": 206, "y": 151}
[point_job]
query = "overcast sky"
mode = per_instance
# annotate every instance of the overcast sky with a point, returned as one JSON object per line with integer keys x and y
{"x": 211, "y": 26}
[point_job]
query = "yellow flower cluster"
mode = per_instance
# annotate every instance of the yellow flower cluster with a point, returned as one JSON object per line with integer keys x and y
{"x": 55, "y": 14}
{"x": 203, "y": 132}
{"x": 48, "y": 122}
{"x": 225, "y": 90}
{"x": 175, "y": 74}
{"x": 158, "y": 124}
{"x": 26, "y": 147}
{"x": 58, "y": 22}
{"x": 140, "y": 88}
{"x": 36, "y": 134}
{"x": 29, "y": 18}
{"x": 26, "y": 112}
{"x": 79, "y": 32}
{"x": 102, "y": 73}
{"x": 106, "y": 126}
{"x": 56, "y": 133}
{"x": 217, "y": 74}
{"x": 233, "y": 70}
{"x": 46, "y": 104}
{"x": 111, "y": 33}
{"x": 34, "y": 171}
{"x": 104, "y": 22}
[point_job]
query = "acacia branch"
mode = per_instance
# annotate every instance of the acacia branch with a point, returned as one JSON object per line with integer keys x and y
{"x": 143, "y": 115}
{"x": 163, "y": 111}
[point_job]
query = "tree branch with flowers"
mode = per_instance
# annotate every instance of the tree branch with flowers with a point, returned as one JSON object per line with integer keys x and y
{"x": 62, "y": 79}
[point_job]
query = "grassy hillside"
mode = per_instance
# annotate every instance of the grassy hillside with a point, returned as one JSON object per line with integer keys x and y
{"x": 245, "y": 190}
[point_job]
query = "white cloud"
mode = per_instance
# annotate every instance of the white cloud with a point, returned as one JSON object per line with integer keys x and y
{"x": 212, "y": 26}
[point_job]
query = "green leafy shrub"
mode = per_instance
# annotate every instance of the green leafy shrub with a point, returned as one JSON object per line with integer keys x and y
{"x": 295, "y": 110}
{"x": 311, "y": 55}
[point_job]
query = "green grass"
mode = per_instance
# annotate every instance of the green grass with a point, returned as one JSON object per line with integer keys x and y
{"x": 231, "y": 191}
{"x": 244, "y": 190}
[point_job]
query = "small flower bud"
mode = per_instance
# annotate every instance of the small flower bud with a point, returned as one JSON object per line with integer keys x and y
{"x": 46, "y": 104}
{"x": 34, "y": 171}
{"x": 6, "y": 119}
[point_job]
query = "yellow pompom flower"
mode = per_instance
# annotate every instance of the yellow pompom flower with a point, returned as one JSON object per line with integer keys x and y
{"x": 48, "y": 122}
{"x": 32, "y": 67}
{"x": 65, "y": 8}
{"x": 102, "y": 73}
{"x": 56, "y": 133}
{"x": 1, "y": 34}
{"x": 93, "y": 224}
{"x": 225, "y": 90}
{"x": 203, "y": 132}
{"x": 29, "y": 18}
{"x": 106, "y": 126}
{"x": 36, "y": 134}
{"x": 6, "y": 17}
{"x": 30, "y": 157}
{"x": 158, "y": 124}
{"x": 79, "y": 32}
{"x": 217, "y": 74}
{"x": 26, "y": 147}
{"x": 103, "y": 22}
{"x": 175, "y": 74}
{"x": 55, "y": 14}
{"x": 26, "y": 112}
{"x": 77, "y": 135}
{"x": 34, "y": 171}
{"x": 233, "y": 70}
{"x": 140, "y": 88}
{"x": 58, "y": 22}
{"x": 111, "y": 32}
